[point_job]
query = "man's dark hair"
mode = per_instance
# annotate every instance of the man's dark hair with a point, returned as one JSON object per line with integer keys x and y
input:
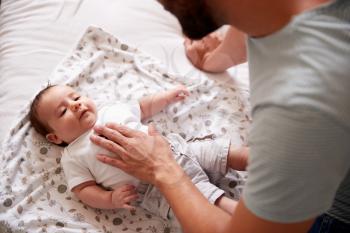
{"x": 194, "y": 16}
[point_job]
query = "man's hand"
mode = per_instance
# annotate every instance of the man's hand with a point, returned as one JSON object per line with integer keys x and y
{"x": 215, "y": 53}
{"x": 198, "y": 51}
{"x": 147, "y": 157}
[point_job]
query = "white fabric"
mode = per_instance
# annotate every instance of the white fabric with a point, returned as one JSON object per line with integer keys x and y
{"x": 106, "y": 68}
{"x": 79, "y": 160}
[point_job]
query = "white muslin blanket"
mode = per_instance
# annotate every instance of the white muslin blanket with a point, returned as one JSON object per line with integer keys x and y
{"x": 34, "y": 195}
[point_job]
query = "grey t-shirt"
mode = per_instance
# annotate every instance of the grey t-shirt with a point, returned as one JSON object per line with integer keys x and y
{"x": 300, "y": 136}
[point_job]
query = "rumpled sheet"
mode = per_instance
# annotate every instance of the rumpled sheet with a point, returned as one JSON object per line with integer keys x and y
{"x": 34, "y": 195}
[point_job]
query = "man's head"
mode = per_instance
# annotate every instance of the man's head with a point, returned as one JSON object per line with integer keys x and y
{"x": 194, "y": 16}
{"x": 61, "y": 114}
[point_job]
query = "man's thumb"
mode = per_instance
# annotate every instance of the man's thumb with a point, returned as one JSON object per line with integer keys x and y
{"x": 152, "y": 131}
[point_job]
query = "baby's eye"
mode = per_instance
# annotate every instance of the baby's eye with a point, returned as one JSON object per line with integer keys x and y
{"x": 76, "y": 98}
{"x": 63, "y": 112}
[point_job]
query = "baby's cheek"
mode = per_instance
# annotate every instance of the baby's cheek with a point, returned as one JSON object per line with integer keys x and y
{"x": 91, "y": 120}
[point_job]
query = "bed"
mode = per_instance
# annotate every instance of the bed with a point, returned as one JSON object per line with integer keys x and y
{"x": 62, "y": 40}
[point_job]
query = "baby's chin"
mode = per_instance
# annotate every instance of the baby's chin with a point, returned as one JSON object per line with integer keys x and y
{"x": 89, "y": 125}
{"x": 89, "y": 122}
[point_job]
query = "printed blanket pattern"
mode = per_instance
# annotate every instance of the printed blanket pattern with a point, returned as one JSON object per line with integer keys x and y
{"x": 34, "y": 195}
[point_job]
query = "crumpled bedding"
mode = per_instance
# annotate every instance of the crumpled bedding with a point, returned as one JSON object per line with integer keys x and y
{"x": 34, "y": 195}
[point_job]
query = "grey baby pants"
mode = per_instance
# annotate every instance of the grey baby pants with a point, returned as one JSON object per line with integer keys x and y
{"x": 204, "y": 161}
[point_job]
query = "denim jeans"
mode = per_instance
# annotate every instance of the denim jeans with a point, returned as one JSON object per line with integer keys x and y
{"x": 328, "y": 224}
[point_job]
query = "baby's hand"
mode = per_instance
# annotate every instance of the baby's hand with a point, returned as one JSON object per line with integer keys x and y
{"x": 123, "y": 195}
{"x": 178, "y": 93}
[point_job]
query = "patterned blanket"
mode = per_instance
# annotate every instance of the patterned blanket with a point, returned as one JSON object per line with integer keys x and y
{"x": 34, "y": 195}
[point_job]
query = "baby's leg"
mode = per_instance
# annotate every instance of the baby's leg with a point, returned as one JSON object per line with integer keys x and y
{"x": 212, "y": 155}
{"x": 186, "y": 156}
{"x": 206, "y": 163}
{"x": 238, "y": 158}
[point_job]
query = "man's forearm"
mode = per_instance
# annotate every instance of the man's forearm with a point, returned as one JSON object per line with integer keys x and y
{"x": 191, "y": 208}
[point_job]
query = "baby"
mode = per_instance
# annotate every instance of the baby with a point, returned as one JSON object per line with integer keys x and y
{"x": 67, "y": 118}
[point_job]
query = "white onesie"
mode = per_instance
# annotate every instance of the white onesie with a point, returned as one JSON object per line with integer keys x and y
{"x": 79, "y": 160}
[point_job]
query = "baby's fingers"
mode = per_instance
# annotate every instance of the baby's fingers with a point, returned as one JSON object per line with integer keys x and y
{"x": 185, "y": 92}
{"x": 130, "y": 198}
{"x": 128, "y": 207}
{"x": 182, "y": 91}
{"x": 129, "y": 187}
{"x": 126, "y": 187}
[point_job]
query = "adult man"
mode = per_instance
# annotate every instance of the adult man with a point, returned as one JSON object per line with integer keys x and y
{"x": 299, "y": 57}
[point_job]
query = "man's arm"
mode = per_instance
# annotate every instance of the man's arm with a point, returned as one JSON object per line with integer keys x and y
{"x": 196, "y": 214}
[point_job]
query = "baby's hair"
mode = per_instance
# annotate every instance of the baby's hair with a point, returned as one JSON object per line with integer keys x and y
{"x": 39, "y": 126}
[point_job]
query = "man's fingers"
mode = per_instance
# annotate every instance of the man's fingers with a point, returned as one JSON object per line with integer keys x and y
{"x": 195, "y": 52}
{"x": 211, "y": 42}
{"x": 123, "y": 130}
{"x": 111, "y": 134}
{"x": 191, "y": 50}
{"x": 112, "y": 146}
{"x": 113, "y": 162}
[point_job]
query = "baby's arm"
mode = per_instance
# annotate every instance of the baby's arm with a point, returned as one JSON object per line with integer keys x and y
{"x": 95, "y": 196}
{"x": 151, "y": 105}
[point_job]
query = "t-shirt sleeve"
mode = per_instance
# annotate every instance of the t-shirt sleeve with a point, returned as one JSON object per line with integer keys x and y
{"x": 76, "y": 173}
{"x": 297, "y": 160}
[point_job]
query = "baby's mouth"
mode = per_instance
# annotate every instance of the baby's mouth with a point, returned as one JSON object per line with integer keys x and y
{"x": 82, "y": 113}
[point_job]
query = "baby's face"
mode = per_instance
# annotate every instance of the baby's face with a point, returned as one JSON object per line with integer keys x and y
{"x": 68, "y": 113}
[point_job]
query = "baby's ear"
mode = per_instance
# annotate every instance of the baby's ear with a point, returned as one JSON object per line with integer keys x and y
{"x": 51, "y": 137}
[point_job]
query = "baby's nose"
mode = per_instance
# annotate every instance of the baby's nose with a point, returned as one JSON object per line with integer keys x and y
{"x": 75, "y": 106}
